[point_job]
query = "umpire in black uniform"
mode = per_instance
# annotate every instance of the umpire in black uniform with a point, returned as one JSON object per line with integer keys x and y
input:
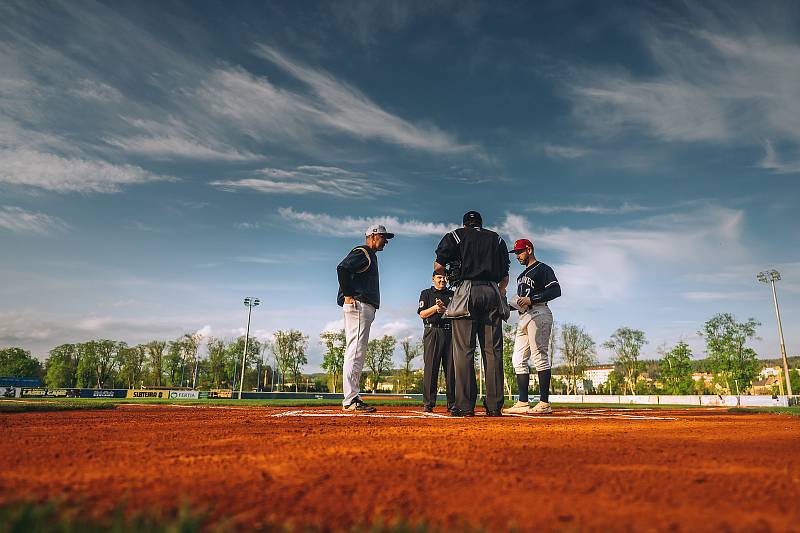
{"x": 483, "y": 258}
{"x": 437, "y": 343}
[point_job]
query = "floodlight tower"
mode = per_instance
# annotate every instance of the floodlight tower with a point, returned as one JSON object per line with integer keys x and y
{"x": 250, "y": 303}
{"x": 771, "y": 276}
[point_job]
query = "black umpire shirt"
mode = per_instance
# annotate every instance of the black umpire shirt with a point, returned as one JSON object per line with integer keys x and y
{"x": 358, "y": 277}
{"x": 427, "y": 299}
{"x": 482, "y": 252}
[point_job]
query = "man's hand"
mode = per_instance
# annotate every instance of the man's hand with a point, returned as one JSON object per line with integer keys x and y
{"x": 440, "y": 307}
{"x": 524, "y": 303}
{"x": 349, "y": 300}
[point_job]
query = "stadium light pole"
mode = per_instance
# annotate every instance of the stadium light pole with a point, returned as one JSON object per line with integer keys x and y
{"x": 771, "y": 276}
{"x": 250, "y": 303}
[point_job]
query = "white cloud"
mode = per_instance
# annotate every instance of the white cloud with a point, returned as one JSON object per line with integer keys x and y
{"x": 334, "y": 325}
{"x": 331, "y": 106}
{"x": 623, "y": 209}
{"x": 174, "y": 139}
{"x": 324, "y": 224}
{"x": 608, "y": 263}
{"x": 713, "y": 296}
{"x": 69, "y": 174}
{"x": 19, "y": 220}
{"x": 772, "y": 161}
{"x": 307, "y": 179}
{"x": 564, "y": 152}
{"x": 719, "y": 77}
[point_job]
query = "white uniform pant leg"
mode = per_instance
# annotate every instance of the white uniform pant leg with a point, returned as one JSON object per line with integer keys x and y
{"x": 539, "y": 328}
{"x": 358, "y": 318}
{"x": 522, "y": 349}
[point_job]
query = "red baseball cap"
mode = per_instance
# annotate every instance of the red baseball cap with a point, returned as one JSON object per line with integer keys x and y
{"x": 520, "y": 245}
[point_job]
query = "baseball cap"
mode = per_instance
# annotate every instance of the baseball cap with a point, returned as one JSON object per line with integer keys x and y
{"x": 520, "y": 245}
{"x": 472, "y": 217}
{"x": 377, "y": 229}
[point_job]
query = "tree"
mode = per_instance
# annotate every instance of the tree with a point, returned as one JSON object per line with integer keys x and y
{"x": 577, "y": 354}
{"x": 87, "y": 364}
{"x": 734, "y": 364}
{"x": 379, "y": 358}
{"x": 410, "y": 352}
{"x": 18, "y": 363}
{"x": 173, "y": 361}
{"x": 234, "y": 352}
{"x": 335, "y": 343}
{"x": 794, "y": 379}
{"x": 289, "y": 349}
{"x": 615, "y": 383}
{"x": 217, "y": 363}
{"x": 131, "y": 365}
{"x": 61, "y": 366}
{"x": 106, "y": 361}
{"x": 676, "y": 370}
{"x": 155, "y": 361}
{"x": 626, "y": 343}
{"x": 188, "y": 348}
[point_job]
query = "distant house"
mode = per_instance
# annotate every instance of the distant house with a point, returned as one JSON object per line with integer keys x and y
{"x": 703, "y": 377}
{"x": 598, "y": 375}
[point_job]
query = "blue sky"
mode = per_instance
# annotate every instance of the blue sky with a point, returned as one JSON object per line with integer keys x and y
{"x": 162, "y": 160}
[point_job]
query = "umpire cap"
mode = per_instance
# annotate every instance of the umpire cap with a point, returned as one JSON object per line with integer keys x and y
{"x": 472, "y": 218}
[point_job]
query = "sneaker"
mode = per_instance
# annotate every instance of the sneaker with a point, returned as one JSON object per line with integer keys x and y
{"x": 519, "y": 408}
{"x": 455, "y": 411}
{"x": 358, "y": 405}
{"x": 541, "y": 408}
{"x": 493, "y": 413}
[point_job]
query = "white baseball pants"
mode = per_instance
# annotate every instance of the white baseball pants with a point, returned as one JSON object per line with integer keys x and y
{"x": 532, "y": 339}
{"x": 358, "y": 319}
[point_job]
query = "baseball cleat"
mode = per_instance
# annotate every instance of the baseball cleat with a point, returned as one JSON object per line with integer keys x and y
{"x": 541, "y": 408}
{"x": 428, "y": 409}
{"x": 358, "y": 406}
{"x": 519, "y": 408}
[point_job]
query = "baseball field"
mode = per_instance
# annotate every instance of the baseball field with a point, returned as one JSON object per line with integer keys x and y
{"x": 316, "y": 468}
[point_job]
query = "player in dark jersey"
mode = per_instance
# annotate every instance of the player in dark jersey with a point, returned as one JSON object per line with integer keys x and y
{"x": 437, "y": 343}
{"x": 536, "y": 286}
{"x": 359, "y": 296}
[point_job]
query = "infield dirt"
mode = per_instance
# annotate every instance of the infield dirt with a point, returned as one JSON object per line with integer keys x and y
{"x": 579, "y": 470}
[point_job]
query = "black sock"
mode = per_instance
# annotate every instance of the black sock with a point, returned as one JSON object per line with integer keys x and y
{"x": 522, "y": 386}
{"x": 544, "y": 385}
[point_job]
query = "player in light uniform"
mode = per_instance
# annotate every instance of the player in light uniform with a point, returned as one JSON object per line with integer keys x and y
{"x": 359, "y": 296}
{"x": 536, "y": 286}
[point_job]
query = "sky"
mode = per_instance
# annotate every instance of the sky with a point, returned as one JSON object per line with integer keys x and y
{"x": 160, "y": 161}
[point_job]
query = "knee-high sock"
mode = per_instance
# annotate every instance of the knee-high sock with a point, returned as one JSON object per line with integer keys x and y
{"x": 544, "y": 385}
{"x": 522, "y": 386}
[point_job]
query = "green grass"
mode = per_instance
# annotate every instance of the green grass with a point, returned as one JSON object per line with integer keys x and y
{"x": 26, "y": 406}
{"x": 793, "y": 410}
{"x": 53, "y": 518}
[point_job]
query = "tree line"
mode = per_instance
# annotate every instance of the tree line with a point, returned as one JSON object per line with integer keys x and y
{"x": 278, "y": 364}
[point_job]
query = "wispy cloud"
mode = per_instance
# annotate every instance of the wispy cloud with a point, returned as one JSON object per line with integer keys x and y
{"x": 324, "y": 224}
{"x": 555, "y": 151}
{"x": 720, "y": 76}
{"x": 69, "y": 174}
{"x": 174, "y": 139}
{"x": 772, "y": 161}
{"x": 623, "y": 209}
{"x": 307, "y": 179}
{"x": 20, "y": 220}
{"x": 329, "y": 105}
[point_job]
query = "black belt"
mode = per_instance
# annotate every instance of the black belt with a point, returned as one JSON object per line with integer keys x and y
{"x": 437, "y": 326}
{"x": 480, "y": 282}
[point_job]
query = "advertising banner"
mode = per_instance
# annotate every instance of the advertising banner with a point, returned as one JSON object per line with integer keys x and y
{"x": 184, "y": 395}
{"x": 9, "y": 392}
{"x": 104, "y": 393}
{"x": 148, "y": 394}
{"x": 41, "y": 392}
{"x": 220, "y": 393}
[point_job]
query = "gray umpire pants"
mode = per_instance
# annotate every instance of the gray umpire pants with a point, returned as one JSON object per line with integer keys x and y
{"x": 437, "y": 343}
{"x": 486, "y": 324}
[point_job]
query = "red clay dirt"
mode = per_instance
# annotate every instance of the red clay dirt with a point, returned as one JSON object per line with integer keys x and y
{"x": 579, "y": 470}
